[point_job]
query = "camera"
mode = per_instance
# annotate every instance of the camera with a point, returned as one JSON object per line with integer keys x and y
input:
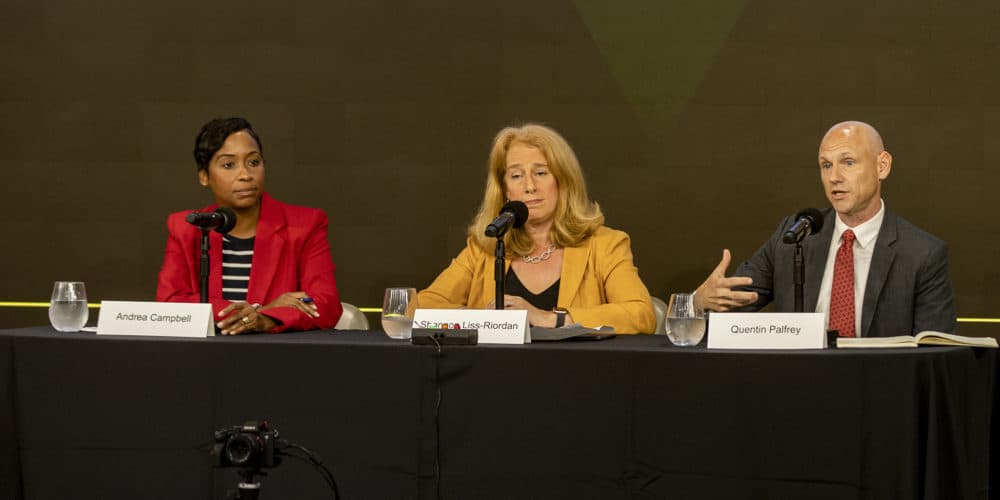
{"x": 250, "y": 446}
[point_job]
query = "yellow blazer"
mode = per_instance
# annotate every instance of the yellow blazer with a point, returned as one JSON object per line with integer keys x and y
{"x": 599, "y": 284}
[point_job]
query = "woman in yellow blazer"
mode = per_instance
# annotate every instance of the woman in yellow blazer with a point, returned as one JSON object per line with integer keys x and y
{"x": 563, "y": 266}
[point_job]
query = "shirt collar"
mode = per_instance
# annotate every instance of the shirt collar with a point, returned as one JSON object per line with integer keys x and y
{"x": 866, "y": 232}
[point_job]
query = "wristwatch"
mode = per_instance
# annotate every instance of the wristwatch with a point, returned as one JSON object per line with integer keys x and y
{"x": 560, "y": 316}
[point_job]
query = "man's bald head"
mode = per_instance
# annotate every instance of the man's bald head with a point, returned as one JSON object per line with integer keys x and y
{"x": 856, "y": 129}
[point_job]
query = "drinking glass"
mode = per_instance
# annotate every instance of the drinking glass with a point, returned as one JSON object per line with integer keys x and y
{"x": 68, "y": 308}
{"x": 397, "y": 319}
{"x": 685, "y": 324}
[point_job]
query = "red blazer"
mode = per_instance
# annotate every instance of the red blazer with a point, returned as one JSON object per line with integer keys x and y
{"x": 291, "y": 253}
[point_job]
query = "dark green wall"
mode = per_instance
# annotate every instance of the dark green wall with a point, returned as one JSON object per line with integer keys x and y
{"x": 697, "y": 124}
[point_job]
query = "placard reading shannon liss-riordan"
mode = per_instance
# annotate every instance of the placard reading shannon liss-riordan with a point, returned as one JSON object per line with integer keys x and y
{"x": 766, "y": 331}
{"x": 155, "y": 319}
{"x": 508, "y": 326}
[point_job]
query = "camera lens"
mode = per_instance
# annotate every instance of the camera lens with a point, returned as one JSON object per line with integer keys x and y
{"x": 241, "y": 448}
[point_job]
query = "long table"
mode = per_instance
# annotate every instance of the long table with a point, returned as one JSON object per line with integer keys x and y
{"x": 87, "y": 416}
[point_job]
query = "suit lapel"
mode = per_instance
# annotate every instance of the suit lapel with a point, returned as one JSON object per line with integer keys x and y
{"x": 882, "y": 258}
{"x": 270, "y": 243}
{"x": 816, "y": 253}
{"x": 573, "y": 267}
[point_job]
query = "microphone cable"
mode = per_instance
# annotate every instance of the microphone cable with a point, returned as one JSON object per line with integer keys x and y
{"x": 437, "y": 418}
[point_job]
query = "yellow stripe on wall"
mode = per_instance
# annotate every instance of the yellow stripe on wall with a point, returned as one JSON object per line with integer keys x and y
{"x": 97, "y": 305}
{"x": 39, "y": 304}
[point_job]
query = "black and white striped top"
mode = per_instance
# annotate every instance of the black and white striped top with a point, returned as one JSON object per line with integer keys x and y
{"x": 237, "y": 256}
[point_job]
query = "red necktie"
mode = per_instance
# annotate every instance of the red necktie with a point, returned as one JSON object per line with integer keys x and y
{"x": 842, "y": 292}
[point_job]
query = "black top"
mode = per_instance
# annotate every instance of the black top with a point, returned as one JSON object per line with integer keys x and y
{"x": 546, "y": 301}
{"x": 237, "y": 257}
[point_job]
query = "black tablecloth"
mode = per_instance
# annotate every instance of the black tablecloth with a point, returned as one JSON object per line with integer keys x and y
{"x": 628, "y": 418}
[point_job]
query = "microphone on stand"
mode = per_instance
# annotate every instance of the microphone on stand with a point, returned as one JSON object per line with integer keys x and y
{"x": 512, "y": 214}
{"x": 222, "y": 220}
{"x": 807, "y": 222}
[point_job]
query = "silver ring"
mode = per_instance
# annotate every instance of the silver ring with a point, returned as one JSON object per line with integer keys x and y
{"x": 246, "y": 320}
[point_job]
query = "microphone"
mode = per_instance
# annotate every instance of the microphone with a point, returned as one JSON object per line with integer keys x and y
{"x": 514, "y": 213}
{"x": 222, "y": 220}
{"x": 807, "y": 222}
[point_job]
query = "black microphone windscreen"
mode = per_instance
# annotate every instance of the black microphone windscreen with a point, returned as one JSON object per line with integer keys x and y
{"x": 228, "y": 219}
{"x": 520, "y": 211}
{"x": 815, "y": 219}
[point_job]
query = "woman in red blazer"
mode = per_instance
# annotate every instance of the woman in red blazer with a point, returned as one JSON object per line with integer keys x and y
{"x": 291, "y": 284}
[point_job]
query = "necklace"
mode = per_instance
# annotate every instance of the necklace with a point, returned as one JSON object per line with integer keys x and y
{"x": 543, "y": 256}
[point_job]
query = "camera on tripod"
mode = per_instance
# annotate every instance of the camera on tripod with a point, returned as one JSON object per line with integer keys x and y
{"x": 249, "y": 446}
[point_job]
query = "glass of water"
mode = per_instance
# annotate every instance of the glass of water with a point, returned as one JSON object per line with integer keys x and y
{"x": 68, "y": 308}
{"x": 685, "y": 324}
{"x": 397, "y": 319}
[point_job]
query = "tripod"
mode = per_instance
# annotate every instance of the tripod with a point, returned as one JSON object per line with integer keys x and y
{"x": 247, "y": 489}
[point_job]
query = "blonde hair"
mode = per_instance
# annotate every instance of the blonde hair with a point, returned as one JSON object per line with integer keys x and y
{"x": 576, "y": 217}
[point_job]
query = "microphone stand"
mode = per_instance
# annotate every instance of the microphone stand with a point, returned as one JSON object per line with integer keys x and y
{"x": 498, "y": 269}
{"x": 513, "y": 212}
{"x": 204, "y": 265}
{"x": 798, "y": 276}
{"x": 807, "y": 222}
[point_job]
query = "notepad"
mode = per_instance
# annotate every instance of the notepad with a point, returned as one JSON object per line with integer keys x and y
{"x": 571, "y": 332}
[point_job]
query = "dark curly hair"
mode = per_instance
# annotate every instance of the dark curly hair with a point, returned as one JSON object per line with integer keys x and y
{"x": 214, "y": 134}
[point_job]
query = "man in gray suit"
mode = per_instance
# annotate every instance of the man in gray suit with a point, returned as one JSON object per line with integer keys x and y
{"x": 871, "y": 271}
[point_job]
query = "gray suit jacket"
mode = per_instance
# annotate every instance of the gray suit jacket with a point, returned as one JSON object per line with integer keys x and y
{"x": 908, "y": 290}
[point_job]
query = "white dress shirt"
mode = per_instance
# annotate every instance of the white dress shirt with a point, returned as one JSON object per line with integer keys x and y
{"x": 864, "y": 246}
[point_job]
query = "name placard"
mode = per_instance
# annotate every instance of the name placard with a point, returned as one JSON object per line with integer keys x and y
{"x": 506, "y": 326}
{"x": 155, "y": 319}
{"x": 766, "y": 331}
